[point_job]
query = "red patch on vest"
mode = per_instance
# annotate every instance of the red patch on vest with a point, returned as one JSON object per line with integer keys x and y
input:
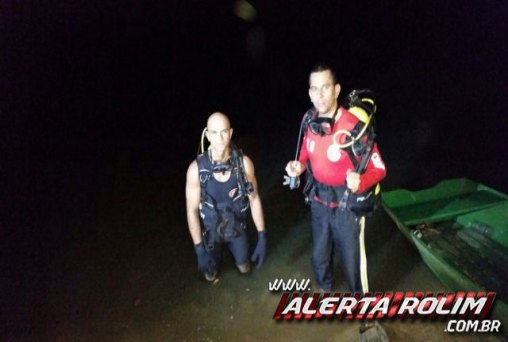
{"x": 232, "y": 193}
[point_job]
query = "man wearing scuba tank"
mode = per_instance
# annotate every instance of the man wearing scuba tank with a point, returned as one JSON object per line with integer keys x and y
{"x": 220, "y": 187}
{"x": 335, "y": 182}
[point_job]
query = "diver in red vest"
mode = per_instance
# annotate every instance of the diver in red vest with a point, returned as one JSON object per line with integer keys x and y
{"x": 336, "y": 187}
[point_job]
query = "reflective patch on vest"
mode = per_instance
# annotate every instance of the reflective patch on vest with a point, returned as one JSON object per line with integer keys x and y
{"x": 333, "y": 153}
{"x": 311, "y": 145}
{"x": 376, "y": 160}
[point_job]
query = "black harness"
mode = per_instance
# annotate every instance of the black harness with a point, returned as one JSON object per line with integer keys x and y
{"x": 225, "y": 218}
{"x": 359, "y": 152}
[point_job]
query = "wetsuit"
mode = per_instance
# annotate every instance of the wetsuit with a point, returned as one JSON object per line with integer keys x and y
{"x": 333, "y": 229}
{"x": 223, "y": 213}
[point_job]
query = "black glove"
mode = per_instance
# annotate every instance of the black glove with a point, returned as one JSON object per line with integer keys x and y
{"x": 260, "y": 250}
{"x": 206, "y": 264}
{"x": 363, "y": 98}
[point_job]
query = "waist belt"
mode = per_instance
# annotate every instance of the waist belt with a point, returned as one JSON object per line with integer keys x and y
{"x": 328, "y": 204}
{"x": 326, "y": 194}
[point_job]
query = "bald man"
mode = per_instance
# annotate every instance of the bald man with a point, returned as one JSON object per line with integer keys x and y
{"x": 221, "y": 186}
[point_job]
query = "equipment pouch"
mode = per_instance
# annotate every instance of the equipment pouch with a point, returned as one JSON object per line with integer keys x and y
{"x": 240, "y": 206}
{"x": 229, "y": 226}
{"x": 365, "y": 203}
{"x": 209, "y": 215}
{"x": 328, "y": 194}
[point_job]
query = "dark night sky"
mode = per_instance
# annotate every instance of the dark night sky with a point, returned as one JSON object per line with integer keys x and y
{"x": 87, "y": 85}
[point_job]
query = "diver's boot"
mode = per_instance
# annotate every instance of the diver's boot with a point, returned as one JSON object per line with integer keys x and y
{"x": 244, "y": 269}
{"x": 211, "y": 277}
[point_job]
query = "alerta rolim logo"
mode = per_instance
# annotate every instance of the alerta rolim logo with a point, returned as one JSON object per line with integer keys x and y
{"x": 468, "y": 311}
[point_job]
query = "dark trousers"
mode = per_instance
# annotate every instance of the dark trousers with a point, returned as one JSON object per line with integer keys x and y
{"x": 335, "y": 232}
{"x": 239, "y": 247}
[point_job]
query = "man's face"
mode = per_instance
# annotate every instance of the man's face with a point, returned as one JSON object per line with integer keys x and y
{"x": 322, "y": 91}
{"x": 219, "y": 134}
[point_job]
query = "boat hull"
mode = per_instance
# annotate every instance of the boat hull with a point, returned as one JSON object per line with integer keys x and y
{"x": 460, "y": 229}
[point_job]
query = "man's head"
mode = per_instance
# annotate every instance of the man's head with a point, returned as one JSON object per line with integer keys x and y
{"x": 219, "y": 132}
{"x": 323, "y": 88}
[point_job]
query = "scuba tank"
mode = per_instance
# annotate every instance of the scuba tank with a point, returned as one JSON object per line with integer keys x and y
{"x": 360, "y": 143}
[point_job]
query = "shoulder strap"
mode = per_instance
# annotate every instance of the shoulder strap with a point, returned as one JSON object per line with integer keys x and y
{"x": 205, "y": 172}
{"x": 361, "y": 103}
{"x": 307, "y": 118}
{"x": 204, "y": 167}
{"x": 366, "y": 137}
{"x": 361, "y": 165}
{"x": 244, "y": 186}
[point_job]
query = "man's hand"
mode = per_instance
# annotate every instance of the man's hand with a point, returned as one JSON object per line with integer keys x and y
{"x": 206, "y": 264}
{"x": 352, "y": 180}
{"x": 294, "y": 168}
{"x": 260, "y": 251}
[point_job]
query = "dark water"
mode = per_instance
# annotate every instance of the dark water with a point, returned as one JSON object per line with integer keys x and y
{"x": 102, "y": 109}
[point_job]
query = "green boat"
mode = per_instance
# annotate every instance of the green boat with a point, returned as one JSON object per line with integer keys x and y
{"x": 460, "y": 228}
